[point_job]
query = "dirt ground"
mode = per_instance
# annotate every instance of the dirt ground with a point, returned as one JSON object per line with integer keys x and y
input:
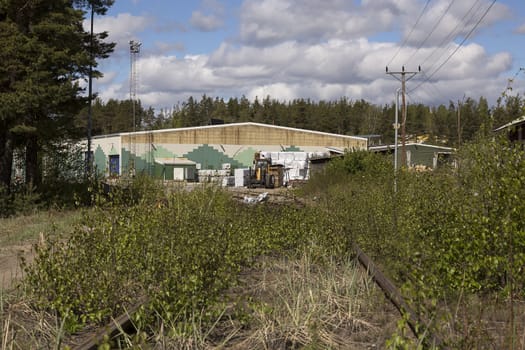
{"x": 10, "y": 269}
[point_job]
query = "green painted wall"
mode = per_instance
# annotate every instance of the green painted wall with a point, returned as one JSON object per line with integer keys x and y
{"x": 158, "y": 171}
{"x": 142, "y": 166}
{"x": 100, "y": 160}
{"x": 245, "y": 158}
{"x": 421, "y": 155}
{"x": 207, "y": 156}
{"x": 124, "y": 158}
{"x": 210, "y": 158}
{"x": 162, "y": 152}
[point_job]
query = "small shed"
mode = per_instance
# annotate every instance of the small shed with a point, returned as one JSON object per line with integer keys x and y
{"x": 180, "y": 169}
{"x": 420, "y": 154}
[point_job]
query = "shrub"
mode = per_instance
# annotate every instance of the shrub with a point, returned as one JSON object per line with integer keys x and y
{"x": 181, "y": 251}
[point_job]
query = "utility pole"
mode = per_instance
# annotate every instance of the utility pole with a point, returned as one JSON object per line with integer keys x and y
{"x": 89, "y": 157}
{"x": 396, "y": 127}
{"x": 404, "y": 77}
{"x": 460, "y": 104}
{"x": 459, "y": 123}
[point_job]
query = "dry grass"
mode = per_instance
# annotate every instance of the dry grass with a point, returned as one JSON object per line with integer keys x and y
{"x": 281, "y": 304}
{"x": 24, "y": 328}
{"x": 475, "y": 323}
{"x": 297, "y": 304}
{"x": 290, "y": 304}
{"x": 20, "y": 326}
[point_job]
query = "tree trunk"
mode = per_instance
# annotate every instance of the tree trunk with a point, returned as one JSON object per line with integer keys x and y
{"x": 6, "y": 159}
{"x": 32, "y": 166}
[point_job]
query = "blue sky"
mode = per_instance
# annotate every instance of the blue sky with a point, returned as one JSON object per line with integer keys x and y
{"x": 314, "y": 49}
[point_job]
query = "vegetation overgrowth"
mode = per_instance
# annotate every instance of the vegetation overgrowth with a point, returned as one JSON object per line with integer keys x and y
{"x": 180, "y": 251}
{"x": 451, "y": 239}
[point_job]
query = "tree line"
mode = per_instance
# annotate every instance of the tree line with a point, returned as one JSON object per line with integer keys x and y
{"x": 444, "y": 124}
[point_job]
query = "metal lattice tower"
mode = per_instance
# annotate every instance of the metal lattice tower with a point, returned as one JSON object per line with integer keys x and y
{"x": 134, "y": 51}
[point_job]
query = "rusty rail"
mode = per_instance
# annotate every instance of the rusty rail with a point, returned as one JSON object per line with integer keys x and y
{"x": 395, "y": 297}
{"x": 117, "y": 325}
{"x": 123, "y": 322}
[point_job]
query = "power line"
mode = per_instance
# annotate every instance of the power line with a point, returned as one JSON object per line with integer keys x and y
{"x": 458, "y": 47}
{"x": 410, "y": 33}
{"x": 436, "y": 89}
{"x": 451, "y": 34}
{"x": 432, "y": 30}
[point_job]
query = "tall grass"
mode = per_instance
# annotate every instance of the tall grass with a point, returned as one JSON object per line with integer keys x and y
{"x": 285, "y": 303}
{"x": 297, "y": 303}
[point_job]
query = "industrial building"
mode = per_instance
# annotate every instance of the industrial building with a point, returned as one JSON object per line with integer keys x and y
{"x": 177, "y": 154}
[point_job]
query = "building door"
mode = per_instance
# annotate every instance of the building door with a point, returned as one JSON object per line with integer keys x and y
{"x": 114, "y": 165}
{"x": 178, "y": 174}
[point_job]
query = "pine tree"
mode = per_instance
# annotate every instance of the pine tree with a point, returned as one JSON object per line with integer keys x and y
{"x": 49, "y": 52}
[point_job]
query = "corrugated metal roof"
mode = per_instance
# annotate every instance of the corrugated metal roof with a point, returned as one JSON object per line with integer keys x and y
{"x": 241, "y": 124}
{"x": 388, "y": 147}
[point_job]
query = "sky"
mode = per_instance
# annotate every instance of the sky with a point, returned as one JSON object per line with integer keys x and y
{"x": 316, "y": 49}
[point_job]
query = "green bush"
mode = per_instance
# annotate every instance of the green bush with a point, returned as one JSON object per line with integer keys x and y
{"x": 357, "y": 193}
{"x": 180, "y": 250}
{"x": 444, "y": 234}
{"x": 452, "y": 229}
{"x": 466, "y": 229}
{"x": 440, "y": 235}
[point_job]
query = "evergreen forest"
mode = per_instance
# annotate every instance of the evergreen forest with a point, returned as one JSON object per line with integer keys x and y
{"x": 446, "y": 124}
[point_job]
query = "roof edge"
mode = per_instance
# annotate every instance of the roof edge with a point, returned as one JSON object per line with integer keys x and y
{"x": 238, "y": 124}
{"x": 509, "y": 124}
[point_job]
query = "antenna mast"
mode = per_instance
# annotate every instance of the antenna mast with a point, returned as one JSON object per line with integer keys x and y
{"x": 134, "y": 51}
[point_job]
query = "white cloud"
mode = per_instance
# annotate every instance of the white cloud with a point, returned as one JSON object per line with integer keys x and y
{"x": 445, "y": 21}
{"x": 113, "y": 91}
{"x": 267, "y": 22}
{"x": 324, "y": 71}
{"x": 205, "y": 23}
{"x": 468, "y": 61}
{"x": 121, "y": 28}
{"x": 521, "y": 29}
{"x": 108, "y": 78}
{"x": 289, "y": 49}
{"x": 163, "y": 48}
{"x": 210, "y": 18}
